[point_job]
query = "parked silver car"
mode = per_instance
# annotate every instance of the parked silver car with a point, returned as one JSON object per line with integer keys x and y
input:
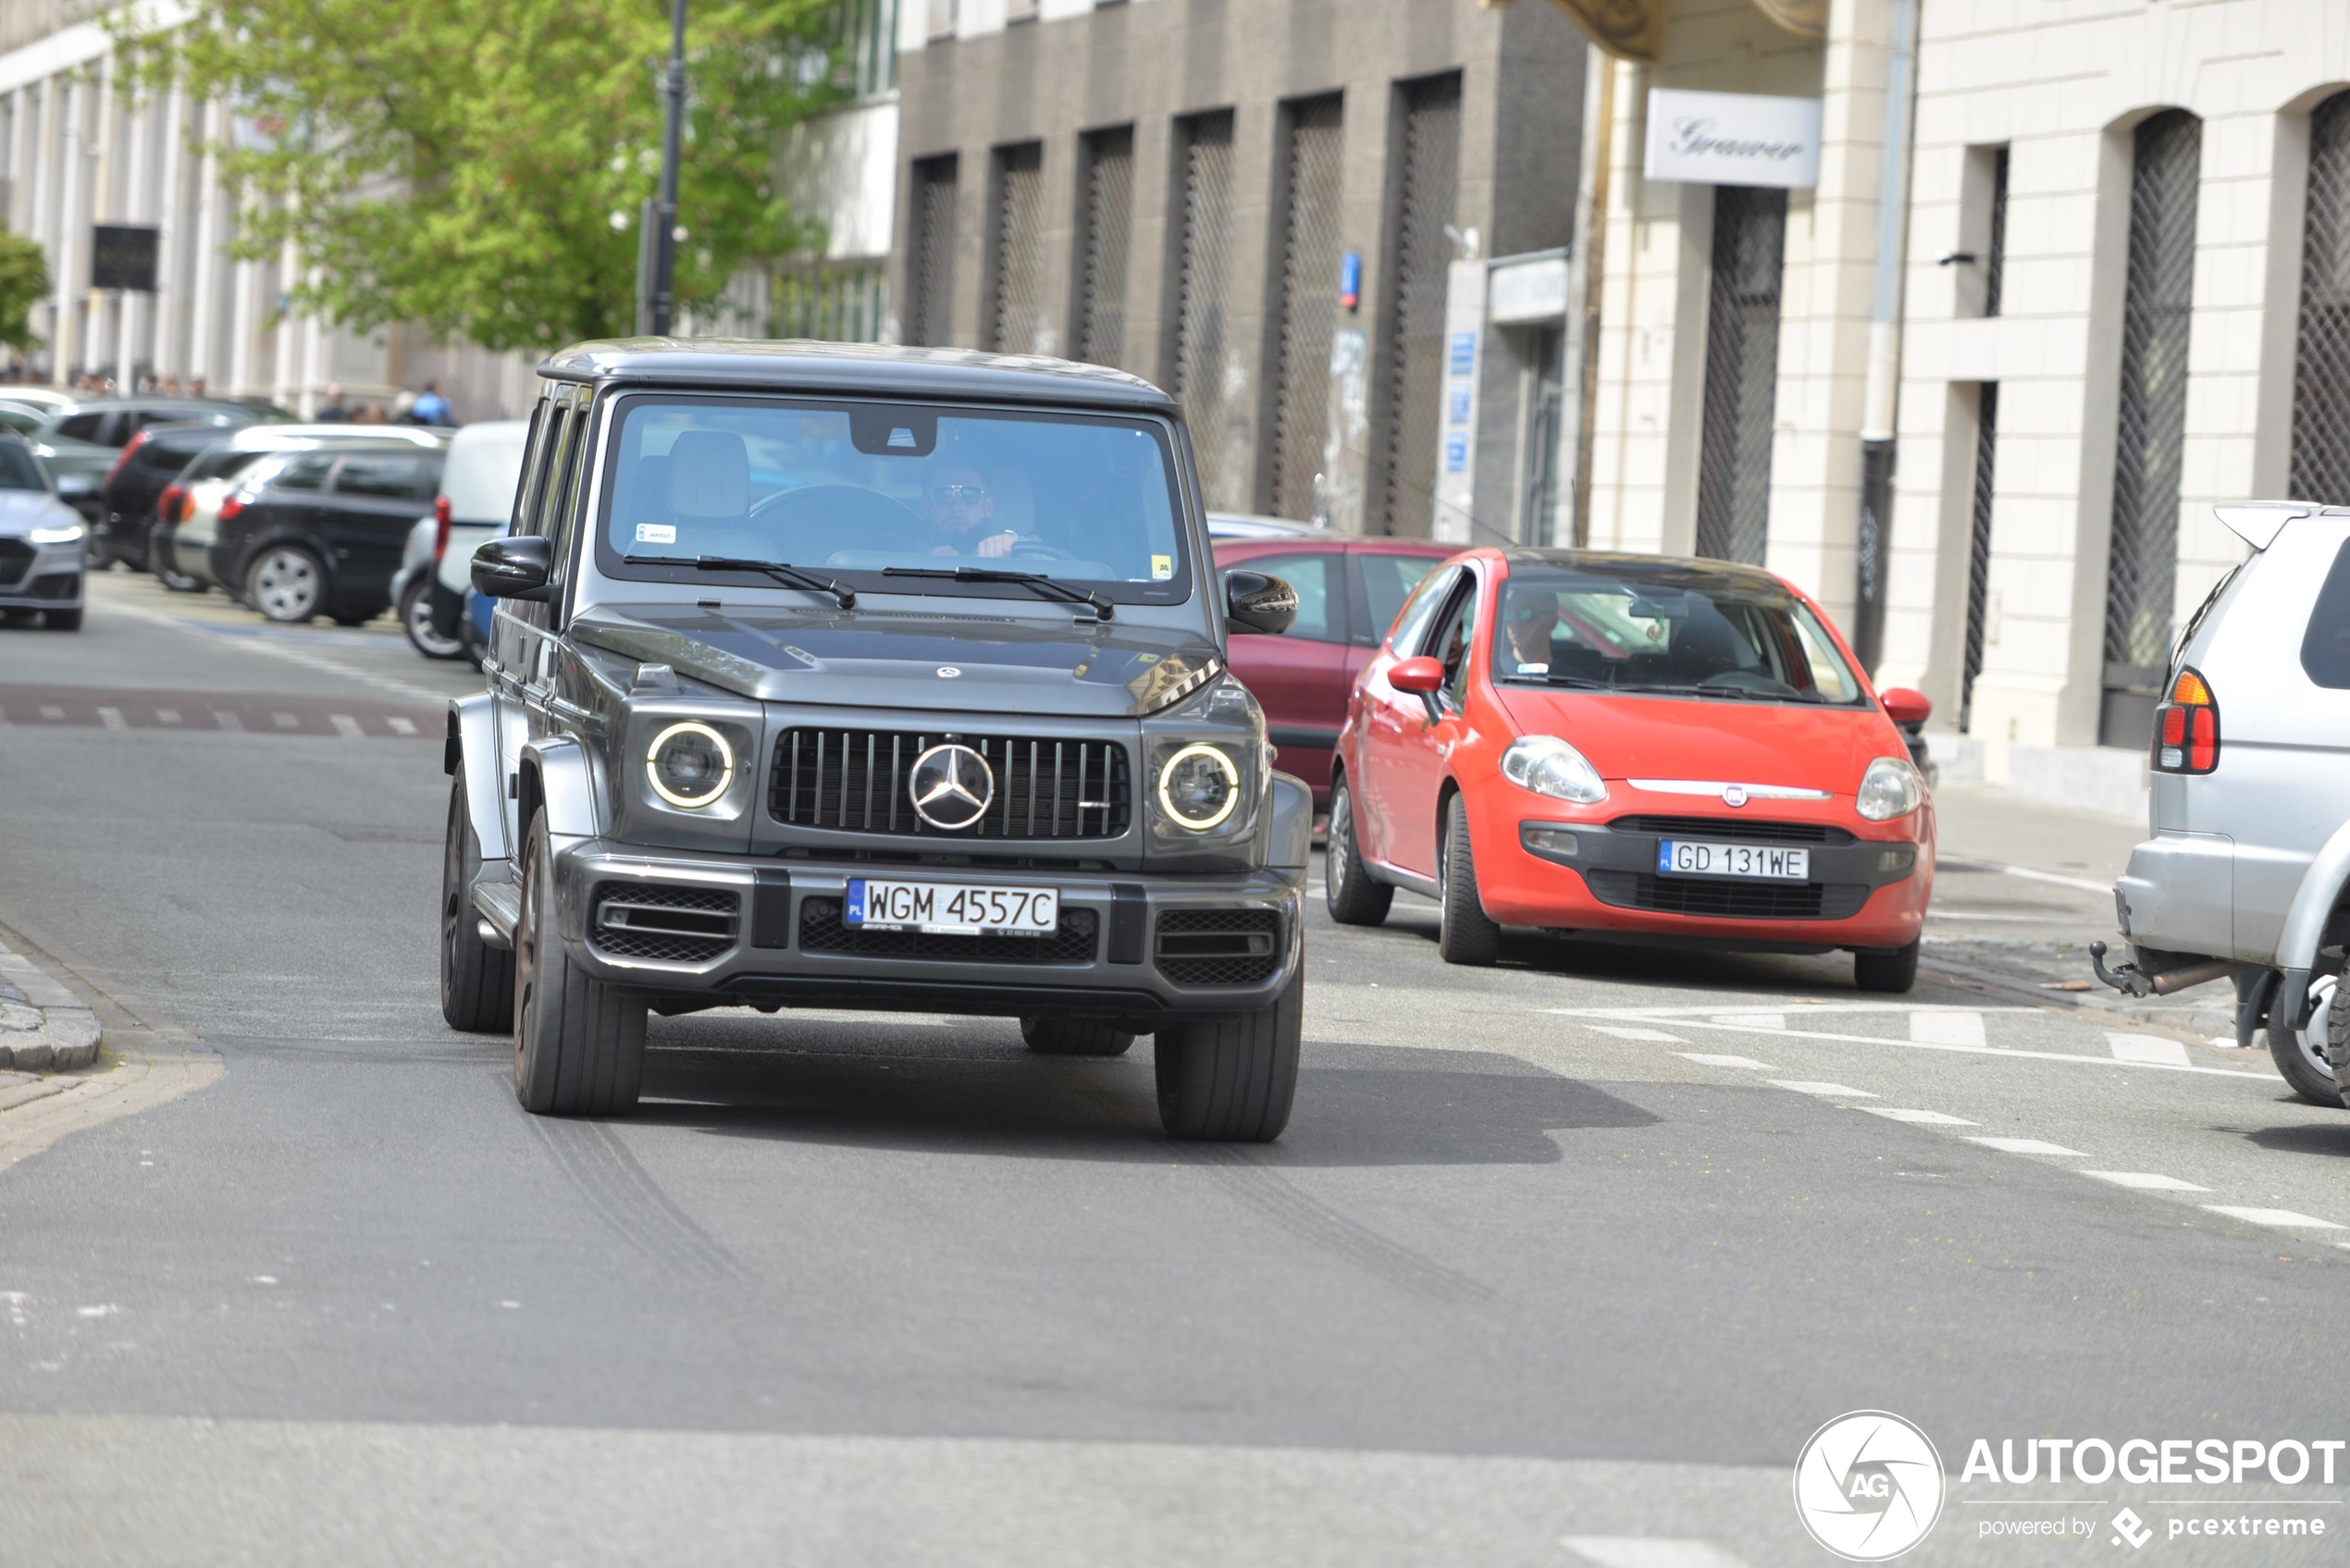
{"x": 2247, "y": 875}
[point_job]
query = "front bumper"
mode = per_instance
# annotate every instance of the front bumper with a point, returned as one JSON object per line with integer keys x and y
{"x": 754, "y": 930}
{"x": 49, "y": 579}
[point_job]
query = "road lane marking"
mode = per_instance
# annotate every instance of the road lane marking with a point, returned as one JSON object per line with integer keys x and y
{"x": 2102, "y": 889}
{"x": 1947, "y": 1029}
{"x": 166, "y": 715}
{"x": 286, "y": 721}
{"x": 1752, "y": 1021}
{"x": 1802, "y": 1087}
{"x": 401, "y": 726}
{"x": 244, "y": 638}
{"x": 1705, "y": 1058}
{"x": 1667, "y": 1015}
{"x": 2146, "y": 1180}
{"x": 112, "y": 719}
{"x": 226, "y": 720}
{"x": 2147, "y": 1050}
{"x": 2026, "y": 1146}
{"x": 2284, "y": 1220}
{"x": 345, "y": 726}
{"x": 1927, "y": 1118}
{"x": 1655, "y": 1034}
{"x": 50, "y": 710}
{"x": 1649, "y": 1552}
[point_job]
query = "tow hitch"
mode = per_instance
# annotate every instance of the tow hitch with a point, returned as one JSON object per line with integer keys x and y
{"x": 2132, "y": 980}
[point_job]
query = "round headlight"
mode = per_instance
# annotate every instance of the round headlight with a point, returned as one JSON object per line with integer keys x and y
{"x": 689, "y": 764}
{"x": 1199, "y": 786}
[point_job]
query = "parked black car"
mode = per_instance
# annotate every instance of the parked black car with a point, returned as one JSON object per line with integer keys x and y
{"x": 321, "y": 533}
{"x": 127, "y": 497}
{"x": 82, "y": 442}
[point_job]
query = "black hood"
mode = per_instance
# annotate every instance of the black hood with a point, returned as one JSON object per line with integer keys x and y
{"x": 1112, "y": 669}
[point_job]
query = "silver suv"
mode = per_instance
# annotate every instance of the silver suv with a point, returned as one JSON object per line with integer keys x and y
{"x": 2245, "y": 877}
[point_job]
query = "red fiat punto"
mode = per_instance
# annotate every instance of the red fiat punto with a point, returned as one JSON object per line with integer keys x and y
{"x": 1638, "y": 748}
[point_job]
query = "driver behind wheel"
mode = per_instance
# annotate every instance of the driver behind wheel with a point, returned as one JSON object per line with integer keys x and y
{"x": 963, "y": 512}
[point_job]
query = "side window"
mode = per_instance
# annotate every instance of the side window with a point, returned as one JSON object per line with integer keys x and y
{"x": 1316, "y": 579}
{"x": 531, "y": 494}
{"x": 391, "y": 477}
{"x": 1412, "y": 625}
{"x": 563, "y": 489}
{"x": 80, "y": 426}
{"x": 1456, "y": 633}
{"x": 306, "y": 474}
{"x": 2325, "y": 647}
{"x": 1385, "y": 581}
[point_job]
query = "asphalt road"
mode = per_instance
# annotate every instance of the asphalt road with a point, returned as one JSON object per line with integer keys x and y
{"x": 1559, "y": 1263}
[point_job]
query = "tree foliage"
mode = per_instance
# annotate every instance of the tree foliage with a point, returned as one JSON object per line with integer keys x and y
{"x": 24, "y": 282}
{"x": 477, "y": 167}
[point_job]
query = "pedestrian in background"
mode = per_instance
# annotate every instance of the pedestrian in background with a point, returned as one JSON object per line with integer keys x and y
{"x": 335, "y": 411}
{"x": 431, "y": 408}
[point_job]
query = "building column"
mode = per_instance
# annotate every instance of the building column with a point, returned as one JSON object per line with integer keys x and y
{"x": 170, "y": 234}
{"x": 137, "y": 208}
{"x": 97, "y": 343}
{"x": 66, "y": 257}
{"x": 203, "y": 305}
{"x": 283, "y": 369}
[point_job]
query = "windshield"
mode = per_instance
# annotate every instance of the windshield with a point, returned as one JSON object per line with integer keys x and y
{"x": 1696, "y": 632}
{"x": 19, "y": 471}
{"x": 856, "y": 489}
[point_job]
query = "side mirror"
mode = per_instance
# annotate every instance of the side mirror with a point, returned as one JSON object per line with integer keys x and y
{"x": 516, "y": 567}
{"x": 1905, "y": 706}
{"x": 1258, "y": 601}
{"x": 1424, "y": 675}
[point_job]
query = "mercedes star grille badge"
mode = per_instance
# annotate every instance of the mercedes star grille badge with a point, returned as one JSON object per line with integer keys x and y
{"x": 951, "y": 787}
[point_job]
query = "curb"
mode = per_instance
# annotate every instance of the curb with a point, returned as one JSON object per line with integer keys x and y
{"x": 44, "y": 1027}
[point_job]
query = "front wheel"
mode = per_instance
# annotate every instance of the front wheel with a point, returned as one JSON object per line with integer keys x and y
{"x": 2302, "y": 1054}
{"x": 476, "y": 980}
{"x": 1894, "y": 971}
{"x": 1353, "y": 896}
{"x": 579, "y": 1044}
{"x": 1230, "y": 1079}
{"x": 1075, "y": 1037}
{"x": 415, "y": 619}
{"x": 1465, "y": 933}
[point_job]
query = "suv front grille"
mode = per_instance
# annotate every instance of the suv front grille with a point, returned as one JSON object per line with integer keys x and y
{"x": 673, "y": 925}
{"x": 16, "y": 560}
{"x": 1728, "y": 897}
{"x": 822, "y": 930}
{"x": 1219, "y": 946}
{"x": 857, "y": 781}
{"x": 1734, "y": 828}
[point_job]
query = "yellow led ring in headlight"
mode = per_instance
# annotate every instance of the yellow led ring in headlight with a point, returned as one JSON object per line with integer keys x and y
{"x": 687, "y": 732}
{"x": 1231, "y": 786}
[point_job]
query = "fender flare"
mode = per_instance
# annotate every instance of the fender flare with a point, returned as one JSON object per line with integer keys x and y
{"x": 2305, "y": 925}
{"x": 1291, "y": 846}
{"x": 557, "y": 778}
{"x": 473, "y": 746}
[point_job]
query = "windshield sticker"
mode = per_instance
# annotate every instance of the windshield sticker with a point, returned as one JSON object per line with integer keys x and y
{"x": 1533, "y": 669}
{"x": 1162, "y": 568}
{"x": 656, "y": 533}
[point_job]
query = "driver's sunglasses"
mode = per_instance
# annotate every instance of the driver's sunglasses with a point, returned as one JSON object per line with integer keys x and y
{"x": 949, "y": 495}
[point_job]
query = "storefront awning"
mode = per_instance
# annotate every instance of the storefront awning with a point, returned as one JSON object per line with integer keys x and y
{"x": 1634, "y": 30}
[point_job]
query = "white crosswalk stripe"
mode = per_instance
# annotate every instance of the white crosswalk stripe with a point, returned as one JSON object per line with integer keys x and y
{"x": 1946, "y": 1028}
{"x": 1924, "y": 1119}
{"x": 1650, "y": 1551}
{"x": 1621, "y": 1032}
{"x": 2283, "y": 1219}
{"x": 2151, "y": 1049}
{"x": 1707, "y": 1058}
{"x": 2146, "y": 1180}
{"x": 2027, "y": 1146}
{"x": 1829, "y": 1090}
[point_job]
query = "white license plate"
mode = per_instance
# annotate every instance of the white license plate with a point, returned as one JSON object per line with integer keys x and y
{"x": 953, "y": 907}
{"x": 1686, "y": 857}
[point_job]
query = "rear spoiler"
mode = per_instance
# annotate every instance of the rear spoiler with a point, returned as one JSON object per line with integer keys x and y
{"x": 2257, "y": 523}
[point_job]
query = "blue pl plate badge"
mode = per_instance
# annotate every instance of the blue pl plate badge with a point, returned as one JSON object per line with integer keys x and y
{"x": 856, "y": 901}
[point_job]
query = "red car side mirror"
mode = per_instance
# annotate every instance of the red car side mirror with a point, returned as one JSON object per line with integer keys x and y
{"x": 1424, "y": 675}
{"x": 1905, "y": 706}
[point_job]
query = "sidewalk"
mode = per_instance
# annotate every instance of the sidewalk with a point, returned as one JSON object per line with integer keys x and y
{"x": 44, "y": 1027}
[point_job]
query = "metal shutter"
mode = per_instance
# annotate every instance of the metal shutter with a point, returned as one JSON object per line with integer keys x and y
{"x": 1203, "y": 273}
{"x": 1109, "y": 223}
{"x": 1015, "y": 320}
{"x": 2142, "y": 566}
{"x": 1741, "y": 374}
{"x": 930, "y": 314}
{"x": 1995, "y": 266}
{"x": 1428, "y": 179}
{"x": 2321, "y": 352}
{"x": 1301, "y": 448}
{"x": 1978, "y": 561}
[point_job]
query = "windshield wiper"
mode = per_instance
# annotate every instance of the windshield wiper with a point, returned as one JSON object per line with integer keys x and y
{"x": 1036, "y": 582}
{"x": 783, "y": 571}
{"x": 1564, "y": 679}
{"x": 1712, "y": 688}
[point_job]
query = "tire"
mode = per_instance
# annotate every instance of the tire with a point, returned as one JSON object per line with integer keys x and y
{"x": 579, "y": 1044}
{"x": 476, "y": 980}
{"x": 2337, "y": 1024}
{"x": 415, "y": 619}
{"x": 62, "y": 620}
{"x": 1352, "y": 894}
{"x": 353, "y": 617}
{"x": 1230, "y": 1079}
{"x": 287, "y": 584}
{"x": 2305, "y": 1057}
{"x": 1075, "y": 1037}
{"x": 1465, "y": 933}
{"x": 1894, "y": 973}
{"x": 159, "y": 561}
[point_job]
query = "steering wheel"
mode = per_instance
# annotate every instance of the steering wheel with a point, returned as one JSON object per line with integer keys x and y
{"x": 1022, "y": 545}
{"x": 853, "y": 504}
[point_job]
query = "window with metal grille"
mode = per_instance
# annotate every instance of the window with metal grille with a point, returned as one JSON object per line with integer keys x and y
{"x": 1015, "y": 320}
{"x": 1203, "y": 278}
{"x": 2321, "y": 350}
{"x": 857, "y": 781}
{"x": 1978, "y": 561}
{"x": 831, "y": 302}
{"x": 1741, "y": 374}
{"x": 1995, "y": 260}
{"x": 930, "y": 314}
{"x": 1425, "y": 186}
{"x": 1104, "y": 230}
{"x": 1298, "y": 452}
{"x": 2142, "y": 560}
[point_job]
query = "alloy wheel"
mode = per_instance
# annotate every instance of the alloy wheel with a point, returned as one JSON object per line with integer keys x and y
{"x": 286, "y": 586}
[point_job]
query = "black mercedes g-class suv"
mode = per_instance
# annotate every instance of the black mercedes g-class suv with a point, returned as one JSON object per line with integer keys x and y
{"x": 830, "y": 676}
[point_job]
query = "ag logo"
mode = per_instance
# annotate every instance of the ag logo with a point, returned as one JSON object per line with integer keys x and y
{"x": 1868, "y": 1485}
{"x": 951, "y": 787}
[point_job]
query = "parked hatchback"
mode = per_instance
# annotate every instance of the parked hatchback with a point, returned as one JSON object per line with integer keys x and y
{"x": 321, "y": 533}
{"x": 2247, "y": 873}
{"x": 188, "y": 511}
{"x": 128, "y": 496}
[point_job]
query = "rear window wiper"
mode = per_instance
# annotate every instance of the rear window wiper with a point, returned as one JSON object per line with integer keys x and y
{"x": 1036, "y": 582}
{"x": 783, "y": 571}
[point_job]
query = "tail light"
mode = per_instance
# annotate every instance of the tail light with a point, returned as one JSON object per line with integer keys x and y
{"x": 2186, "y": 727}
{"x": 124, "y": 456}
{"x": 187, "y": 507}
{"x": 440, "y": 527}
{"x": 168, "y": 503}
{"x": 230, "y": 508}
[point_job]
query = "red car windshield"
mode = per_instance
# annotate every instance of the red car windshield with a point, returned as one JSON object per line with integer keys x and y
{"x": 1688, "y": 631}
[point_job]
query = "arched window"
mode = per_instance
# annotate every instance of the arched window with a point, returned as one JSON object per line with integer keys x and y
{"x": 2142, "y": 569}
{"x": 2321, "y": 350}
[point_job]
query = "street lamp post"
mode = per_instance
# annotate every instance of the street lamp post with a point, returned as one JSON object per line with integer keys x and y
{"x": 656, "y": 249}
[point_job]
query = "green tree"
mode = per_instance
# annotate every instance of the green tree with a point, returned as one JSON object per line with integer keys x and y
{"x": 477, "y": 167}
{"x": 24, "y": 282}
